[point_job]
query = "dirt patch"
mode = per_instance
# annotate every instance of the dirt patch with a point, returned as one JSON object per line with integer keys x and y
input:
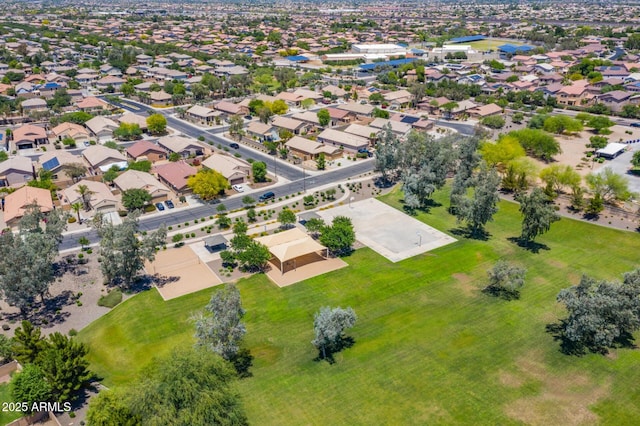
{"x": 557, "y": 263}
{"x": 563, "y": 398}
{"x": 510, "y": 380}
{"x": 465, "y": 284}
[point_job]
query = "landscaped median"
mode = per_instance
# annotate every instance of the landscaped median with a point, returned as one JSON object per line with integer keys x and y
{"x": 430, "y": 347}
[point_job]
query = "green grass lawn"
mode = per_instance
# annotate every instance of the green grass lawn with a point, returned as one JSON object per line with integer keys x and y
{"x": 430, "y": 347}
{"x": 481, "y": 45}
{"x": 5, "y": 415}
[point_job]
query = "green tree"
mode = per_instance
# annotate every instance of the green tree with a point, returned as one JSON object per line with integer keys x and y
{"x": 156, "y": 124}
{"x": 111, "y": 174}
{"x": 219, "y": 328}
{"x": 338, "y": 237}
{"x": 635, "y": 160}
{"x": 28, "y": 343}
{"x": 600, "y": 124}
{"x": 610, "y": 185}
{"x": 279, "y": 107}
{"x": 236, "y": 125}
{"x": 3, "y": 156}
{"x": 189, "y": 387}
{"x": 329, "y": 326}
{"x": 135, "y": 198}
{"x": 207, "y": 184}
{"x": 286, "y": 218}
{"x": 30, "y": 386}
{"x": 111, "y": 408}
{"x": 248, "y": 201}
{"x": 259, "y": 171}
{"x": 251, "y": 215}
{"x": 558, "y": 178}
{"x": 65, "y": 367}
{"x": 380, "y": 113}
{"x": 127, "y": 131}
{"x": 562, "y": 124}
{"x": 324, "y": 117}
{"x": 537, "y": 143}
{"x": 600, "y": 313}
{"x": 501, "y": 153}
{"x": 122, "y": 254}
{"x": 254, "y": 257}
{"x": 314, "y": 226}
{"x": 493, "y": 121}
{"x": 538, "y": 215}
{"x": 505, "y": 280}
{"x": 75, "y": 171}
{"x": 598, "y": 142}
{"x": 321, "y": 162}
{"x": 479, "y": 209}
{"x": 376, "y": 98}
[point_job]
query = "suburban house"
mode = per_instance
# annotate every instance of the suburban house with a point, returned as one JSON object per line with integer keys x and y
{"x": 100, "y": 158}
{"x": 368, "y": 132}
{"x": 100, "y": 197}
{"x": 71, "y": 130}
{"x": 340, "y": 116}
{"x": 235, "y": 170}
{"x": 485, "y": 111}
{"x": 229, "y": 108}
{"x": 110, "y": 80}
{"x": 397, "y": 127}
{"x": 575, "y": 94}
{"x": 56, "y": 162}
{"x": 347, "y": 141}
{"x": 310, "y": 150}
{"x": 102, "y": 128}
{"x": 261, "y": 131}
{"x": 29, "y": 136}
{"x": 16, "y": 171}
{"x": 160, "y": 98}
{"x": 175, "y": 175}
{"x": 181, "y": 145}
{"x": 291, "y": 99}
{"x": 202, "y": 115}
{"x": 145, "y": 150}
{"x": 615, "y": 99}
{"x": 290, "y": 124}
{"x": 33, "y": 105}
{"x": 309, "y": 94}
{"x": 131, "y": 118}
{"x": 398, "y": 98}
{"x": 92, "y": 104}
{"x": 16, "y": 203}
{"x": 133, "y": 179}
{"x": 358, "y": 109}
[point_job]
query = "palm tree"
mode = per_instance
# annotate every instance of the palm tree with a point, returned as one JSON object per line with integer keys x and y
{"x": 85, "y": 196}
{"x": 76, "y": 208}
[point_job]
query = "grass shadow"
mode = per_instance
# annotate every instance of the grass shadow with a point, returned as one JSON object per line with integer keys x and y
{"x": 466, "y": 232}
{"x": 425, "y": 208}
{"x": 532, "y": 246}
{"x": 344, "y": 342}
{"x": 570, "y": 347}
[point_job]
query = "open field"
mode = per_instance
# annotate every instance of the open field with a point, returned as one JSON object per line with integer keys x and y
{"x": 430, "y": 348}
{"x": 490, "y": 44}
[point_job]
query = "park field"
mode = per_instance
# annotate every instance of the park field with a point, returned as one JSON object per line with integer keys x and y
{"x": 430, "y": 348}
{"x": 489, "y": 44}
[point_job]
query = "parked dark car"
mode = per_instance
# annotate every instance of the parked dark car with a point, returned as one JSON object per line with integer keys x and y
{"x": 365, "y": 151}
{"x": 160, "y": 206}
{"x": 169, "y": 204}
{"x": 234, "y": 145}
{"x": 266, "y": 196}
{"x": 634, "y": 124}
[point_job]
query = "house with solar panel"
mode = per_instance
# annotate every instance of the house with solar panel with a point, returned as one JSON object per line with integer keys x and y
{"x": 56, "y": 162}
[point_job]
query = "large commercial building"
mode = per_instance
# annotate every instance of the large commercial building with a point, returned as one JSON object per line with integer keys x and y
{"x": 380, "y": 49}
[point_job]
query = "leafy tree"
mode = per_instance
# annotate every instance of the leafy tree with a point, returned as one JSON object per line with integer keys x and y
{"x": 501, "y": 153}
{"x": 122, "y": 254}
{"x": 601, "y": 313}
{"x": 598, "y": 142}
{"x": 479, "y": 209}
{"x": 493, "y": 121}
{"x": 135, "y": 198}
{"x": 321, "y": 162}
{"x": 314, "y": 225}
{"x": 251, "y": 215}
{"x": 259, "y": 171}
{"x": 127, "y": 131}
{"x": 254, "y": 257}
{"x": 324, "y": 117}
{"x": 255, "y": 105}
{"x": 600, "y": 124}
{"x": 505, "y": 280}
{"x": 562, "y": 124}
{"x": 635, "y": 160}
{"x": 207, "y": 184}
{"x": 189, "y": 387}
{"x": 30, "y": 386}
{"x": 610, "y": 185}
{"x": 220, "y": 328}
{"x": 538, "y": 215}
{"x": 380, "y": 113}
{"x": 595, "y": 205}
{"x": 558, "y": 178}
{"x": 236, "y": 125}
{"x": 156, "y": 124}
{"x": 537, "y": 143}
{"x": 174, "y": 156}
{"x": 27, "y": 259}
{"x": 141, "y": 166}
{"x": 28, "y": 343}
{"x": 286, "y": 218}
{"x": 111, "y": 174}
{"x": 75, "y": 171}
{"x": 279, "y": 107}
{"x": 111, "y": 408}
{"x": 386, "y": 154}
{"x": 64, "y": 366}
{"x": 6, "y": 349}
{"x": 3, "y": 156}
{"x": 248, "y": 200}
{"x": 339, "y": 236}
{"x": 468, "y": 160}
{"x": 329, "y": 326}
{"x": 518, "y": 117}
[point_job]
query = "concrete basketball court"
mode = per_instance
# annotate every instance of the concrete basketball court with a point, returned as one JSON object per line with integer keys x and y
{"x": 388, "y": 231}
{"x": 185, "y": 271}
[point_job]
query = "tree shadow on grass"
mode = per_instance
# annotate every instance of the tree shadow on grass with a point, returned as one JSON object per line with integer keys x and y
{"x": 532, "y": 246}
{"x": 146, "y": 282}
{"x": 425, "y": 208}
{"x": 570, "y": 347}
{"x": 345, "y": 342}
{"x": 466, "y": 232}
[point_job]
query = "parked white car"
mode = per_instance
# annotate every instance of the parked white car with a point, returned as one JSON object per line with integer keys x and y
{"x": 238, "y": 188}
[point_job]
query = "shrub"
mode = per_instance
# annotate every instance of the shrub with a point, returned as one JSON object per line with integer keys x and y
{"x": 149, "y": 208}
{"x": 122, "y": 213}
{"x": 72, "y": 220}
{"x": 111, "y": 299}
{"x": 73, "y": 332}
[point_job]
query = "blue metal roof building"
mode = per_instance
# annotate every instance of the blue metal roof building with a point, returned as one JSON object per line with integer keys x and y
{"x": 468, "y": 39}
{"x": 511, "y": 48}
{"x": 297, "y": 58}
{"x": 394, "y": 63}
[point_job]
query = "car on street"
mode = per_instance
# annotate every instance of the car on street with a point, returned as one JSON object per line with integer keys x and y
{"x": 635, "y": 124}
{"x": 266, "y": 196}
{"x": 237, "y": 188}
{"x": 160, "y": 206}
{"x": 86, "y": 143}
{"x": 169, "y": 204}
{"x": 234, "y": 145}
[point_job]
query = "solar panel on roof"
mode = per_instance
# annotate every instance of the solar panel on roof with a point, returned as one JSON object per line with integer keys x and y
{"x": 51, "y": 164}
{"x": 409, "y": 120}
